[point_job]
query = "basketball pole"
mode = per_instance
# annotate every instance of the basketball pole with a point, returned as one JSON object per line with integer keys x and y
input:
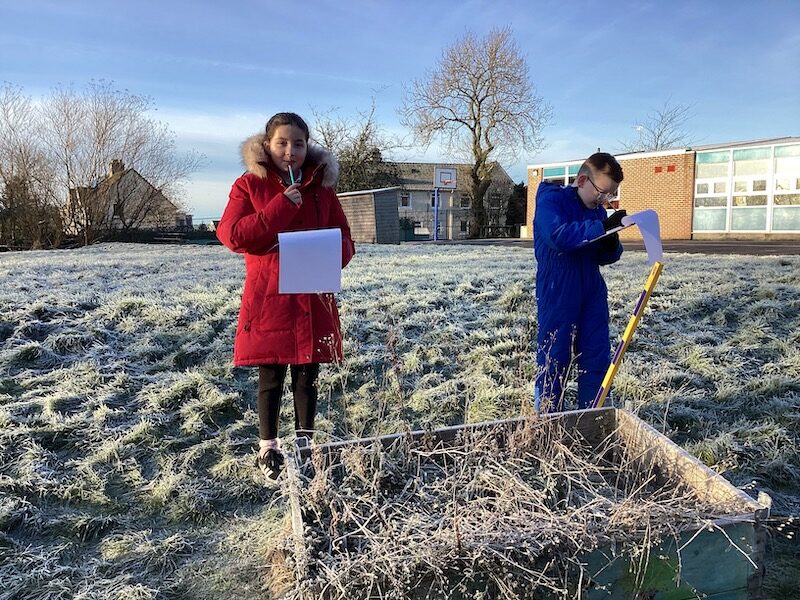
{"x": 442, "y": 178}
{"x": 436, "y": 213}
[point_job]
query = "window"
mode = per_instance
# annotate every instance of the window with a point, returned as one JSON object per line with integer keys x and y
{"x": 759, "y": 200}
{"x": 749, "y": 204}
{"x": 709, "y": 220}
{"x": 562, "y": 175}
{"x": 749, "y": 213}
{"x": 712, "y": 164}
{"x": 786, "y": 208}
{"x": 553, "y": 173}
{"x": 466, "y": 200}
{"x": 572, "y": 173}
{"x": 787, "y": 200}
{"x": 494, "y": 200}
{"x": 786, "y": 218}
{"x": 751, "y": 161}
{"x": 749, "y": 219}
{"x": 405, "y": 199}
{"x": 711, "y": 195}
{"x": 743, "y": 188}
{"x": 711, "y": 201}
{"x": 463, "y": 226}
{"x": 433, "y": 199}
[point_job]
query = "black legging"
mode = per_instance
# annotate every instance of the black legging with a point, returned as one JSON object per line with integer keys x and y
{"x": 270, "y": 390}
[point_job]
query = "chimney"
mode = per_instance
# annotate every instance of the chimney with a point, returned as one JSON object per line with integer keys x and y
{"x": 117, "y": 166}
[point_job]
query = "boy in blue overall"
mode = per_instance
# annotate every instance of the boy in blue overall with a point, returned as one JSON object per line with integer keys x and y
{"x": 571, "y": 295}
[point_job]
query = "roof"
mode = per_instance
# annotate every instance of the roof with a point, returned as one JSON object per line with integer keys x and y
{"x": 762, "y": 142}
{"x": 361, "y": 192}
{"x": 419, "y": 175}
{"x": 104, "y": 185}
{"x": 681, "y": 150}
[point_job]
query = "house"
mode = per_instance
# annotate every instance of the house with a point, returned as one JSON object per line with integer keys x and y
{"x": 416, "y": 198}
{"x": 124, "y": 199}
{"x": 736, "y": 190}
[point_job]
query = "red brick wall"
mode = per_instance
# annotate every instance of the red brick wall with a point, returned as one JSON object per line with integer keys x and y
{"x": 533, "y": 184}
{"x": 663, "y": 183}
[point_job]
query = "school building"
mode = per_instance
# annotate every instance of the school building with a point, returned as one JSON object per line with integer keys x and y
{"x": 742, "y": 190}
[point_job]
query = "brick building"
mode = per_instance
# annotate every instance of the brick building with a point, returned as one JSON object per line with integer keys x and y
{"x": 417, "y": 199}
{"x": 737, "y": 190}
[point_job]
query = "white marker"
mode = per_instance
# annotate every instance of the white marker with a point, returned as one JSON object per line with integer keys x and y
{"x": 291, "y": 175}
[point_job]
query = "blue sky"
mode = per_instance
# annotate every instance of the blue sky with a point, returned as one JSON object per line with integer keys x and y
{"x": 216, "y": 71}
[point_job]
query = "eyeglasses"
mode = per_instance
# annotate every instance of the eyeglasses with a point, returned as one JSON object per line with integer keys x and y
{"x": 601, "y": 195}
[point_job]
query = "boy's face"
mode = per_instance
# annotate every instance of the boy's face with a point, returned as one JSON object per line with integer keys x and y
{"x": 596, "y": 189}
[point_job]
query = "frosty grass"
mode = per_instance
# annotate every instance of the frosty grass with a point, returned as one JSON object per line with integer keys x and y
{"x": 126, "y": 436}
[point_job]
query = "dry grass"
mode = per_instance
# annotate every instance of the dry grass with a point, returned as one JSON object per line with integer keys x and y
{"x": 512, "y": 513}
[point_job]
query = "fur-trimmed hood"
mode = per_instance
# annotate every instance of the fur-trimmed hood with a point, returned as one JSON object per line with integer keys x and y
{"x": 254, "y": 157}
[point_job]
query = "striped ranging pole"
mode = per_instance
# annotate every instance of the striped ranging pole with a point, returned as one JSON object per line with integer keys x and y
{"x": 655, "y": 272}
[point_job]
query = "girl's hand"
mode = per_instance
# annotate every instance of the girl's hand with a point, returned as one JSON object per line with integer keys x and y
{"x": 293, "y": 194}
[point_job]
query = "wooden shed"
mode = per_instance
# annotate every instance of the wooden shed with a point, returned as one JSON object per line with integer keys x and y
{"x": 373, "y": 215}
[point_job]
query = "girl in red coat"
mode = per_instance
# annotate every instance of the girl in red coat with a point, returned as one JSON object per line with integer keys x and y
{"x": 288, "y": 186}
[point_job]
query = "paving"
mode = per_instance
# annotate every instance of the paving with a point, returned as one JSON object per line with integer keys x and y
{"x": 747, "y": 247}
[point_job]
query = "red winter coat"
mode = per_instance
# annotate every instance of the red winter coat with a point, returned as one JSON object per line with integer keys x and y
{"x": 282, "y": 328}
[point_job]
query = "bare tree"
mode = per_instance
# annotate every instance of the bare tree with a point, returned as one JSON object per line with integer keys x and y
{"x": 29, "y": 213}
{"x": 85, "y": 131}
{"x": 479, "y": 99}
{"x": 360, "y": 144}
{"x": 661, "y": 129}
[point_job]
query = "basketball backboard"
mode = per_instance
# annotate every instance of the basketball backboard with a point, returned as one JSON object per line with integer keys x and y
{"x": 444, "y": 178}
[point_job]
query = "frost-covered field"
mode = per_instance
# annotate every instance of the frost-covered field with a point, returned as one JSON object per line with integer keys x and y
{"x": 126, "y": 437}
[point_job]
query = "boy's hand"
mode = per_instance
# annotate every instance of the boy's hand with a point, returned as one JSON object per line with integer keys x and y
{"x": 615, "y": 220}
{"x": 608, "y": 243}
{"x": 293, "y": 194}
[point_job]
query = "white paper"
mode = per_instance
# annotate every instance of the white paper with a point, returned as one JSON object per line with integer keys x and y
{"x": 310, "y": 262}
{"x": 647, "y": 222}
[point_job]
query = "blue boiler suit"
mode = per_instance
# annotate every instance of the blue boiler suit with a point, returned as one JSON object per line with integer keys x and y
{"x": 571, "y": 295}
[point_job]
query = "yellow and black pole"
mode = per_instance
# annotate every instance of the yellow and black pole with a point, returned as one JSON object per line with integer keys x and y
{"x": 655, "y": 272}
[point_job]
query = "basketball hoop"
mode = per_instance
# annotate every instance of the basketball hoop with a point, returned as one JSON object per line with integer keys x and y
{"x": 444, "y": 178}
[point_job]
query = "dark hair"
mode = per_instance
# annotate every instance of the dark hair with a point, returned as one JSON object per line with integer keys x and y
{"x": 285, "y": 118}
{"x": 602, "y": 162}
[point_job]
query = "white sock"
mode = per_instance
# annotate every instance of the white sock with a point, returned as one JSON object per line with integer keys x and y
{"x": 264, "y": 445}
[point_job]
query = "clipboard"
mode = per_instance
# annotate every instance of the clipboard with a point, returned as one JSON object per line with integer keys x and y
{"x": 610, "y": 232}
{"x": 648, "y": 224}
{"x": 310, "y": 261}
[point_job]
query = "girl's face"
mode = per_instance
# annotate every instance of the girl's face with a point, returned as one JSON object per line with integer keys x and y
{"x": 287, "y": 147}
